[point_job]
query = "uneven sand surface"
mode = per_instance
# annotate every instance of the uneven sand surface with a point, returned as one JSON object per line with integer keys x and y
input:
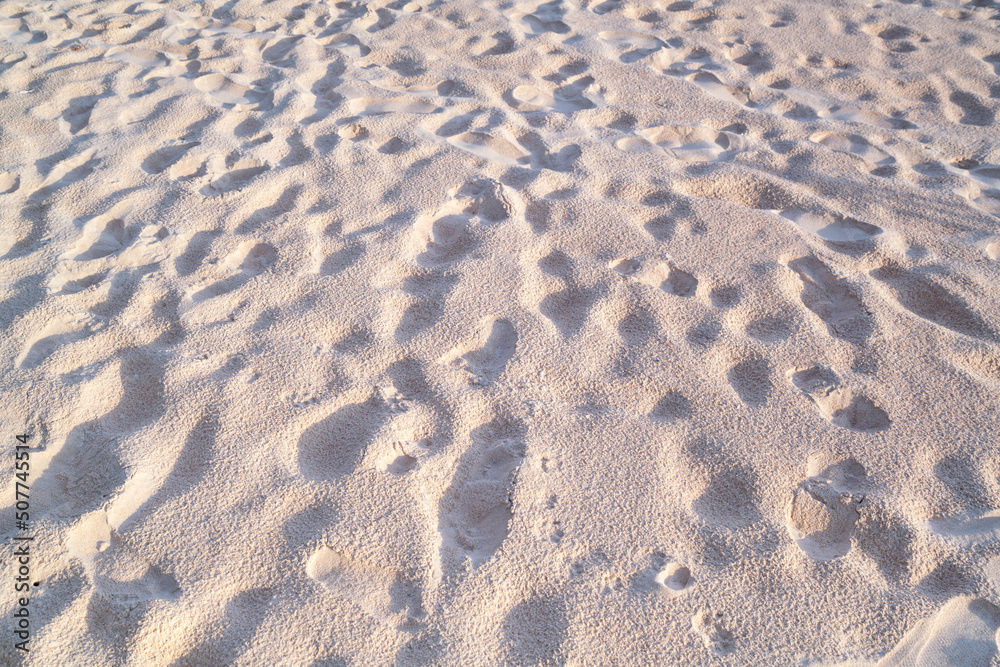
{"x": 503, "y": 333}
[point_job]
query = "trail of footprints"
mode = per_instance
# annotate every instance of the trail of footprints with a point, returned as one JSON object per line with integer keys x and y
{"x": 690, "y": 143}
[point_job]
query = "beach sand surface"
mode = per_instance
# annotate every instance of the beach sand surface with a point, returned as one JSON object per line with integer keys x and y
{"x": 583, "y": 332}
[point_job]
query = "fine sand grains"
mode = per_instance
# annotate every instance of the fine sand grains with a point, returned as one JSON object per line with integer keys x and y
{"x": 586, "y": 332}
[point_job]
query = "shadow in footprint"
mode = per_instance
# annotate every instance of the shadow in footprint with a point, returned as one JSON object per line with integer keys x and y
{"x": 568, "y": 309}
{"x": 837, "y": 403}
{"x": 973, "y": 111}
{"x": 230, "y": 636}
{"x": 430, "y": 289}
{"x": 426, "y": 648}
{"x": 962, "y": 632}
{"x": 932, "y": 302}
{"x": 164, "y": 158}
{"x": 489, "y": 360}
{"x": 535, "y": 631}
{"x": 886, "y": 540}
{"x": 751, "y": 380}
{"x": 962, "y": 477}
{"x": 88, "y": 468}
{"x": 258, "y": 260}
{"x": 195, "y": 252}
{"x": 720, "y": 489}
{"x": 284, "y": 203}
{"x": 332, "y": 447}
{"x": 672, "y": 406}
{"x": 342, "y": 259}
{"x": 41, "y": 349}
{"x": 705, "y": 333}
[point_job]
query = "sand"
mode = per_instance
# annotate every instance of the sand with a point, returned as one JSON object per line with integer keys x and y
{"x": 625, "y": 332}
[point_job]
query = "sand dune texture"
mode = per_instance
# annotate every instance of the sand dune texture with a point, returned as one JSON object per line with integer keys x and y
{"x": 441, "y": 332}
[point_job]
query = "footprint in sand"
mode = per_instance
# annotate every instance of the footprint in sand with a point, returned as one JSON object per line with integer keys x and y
{"x": 715, "y": 487}
{"x": 672, "y": 406}
{"x": 530, "y": 98}
{"x": 717, "y": 638}
{"x": 423, "y": 88}
{"x": 57, "y": 333}
{"x": 679, "y": 283}
{"x": 116, "y": 572}
{"x": 146, "y": 59}
{"x": 86, "y": 467}
{"x": 838, "y": 404}
{"x": 442, "y": 238}
{"x": 100, "y": 237}
{"x": 674, "y": 577}
{"x": 823, "y": 510}
{"x": 967, "y": 109}
{"x": 279, "y": 52}
{"x": 750, "y": 378}
{"x": 17, "y": 31}
{"x": 9, "y": 182}
{"x": 984, "y": 174}
{"x": 385, "y": 594}
{"x": 407, "y": 451}
{"x": 346, "y": 43}
{"x": 724, "y": 296}
{"x": 365, "y": 106}
{"x": 248, "y": 261}
{"x": 477, "y": 509}
{"x": 692, "y": 144}
{"x": 493, "y": 148}
{"x": 770, "y": 328}
{"x": 749, "y": 189}
{"x": 664, "y": 274}
{"x": 631, "y": 46}
{"x": 236, "y": 177}
{"x": 535, "y": 632}
{"x": 569, "y": 307}
{"x": 932, "y": 302}
{"x": 332, "y": 447}
{"x": 982, "y": 363}
{"x": 714, "y": 87}
{"x": 835, "y": 229}
{"x": 69, "y": 171}
{"x": 545, "y": 18}
{"x": 227, "y": 92}
{"x": 831, "y": 300}
{"x": 72, "y": 115}
{"x": 486, "y": 358}
{"x": 488, "y": 199}
{"x": 428, "y": 292}
{"x": 164, "y": 158}
{"x": 106, "y": 245}
{"x": 853, "y": 144}
{"x": 447, "y": 235}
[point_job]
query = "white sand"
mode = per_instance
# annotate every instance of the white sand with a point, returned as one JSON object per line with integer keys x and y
{"x": 480, "y": 333}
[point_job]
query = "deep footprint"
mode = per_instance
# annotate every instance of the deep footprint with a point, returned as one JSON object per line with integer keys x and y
{"x": 831, "y": 300}
{"x": 823, "y": 510}
{"x": 476, "y": 510}
{"x": 838, "y": 404}
{"x": 333, "y": 447}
